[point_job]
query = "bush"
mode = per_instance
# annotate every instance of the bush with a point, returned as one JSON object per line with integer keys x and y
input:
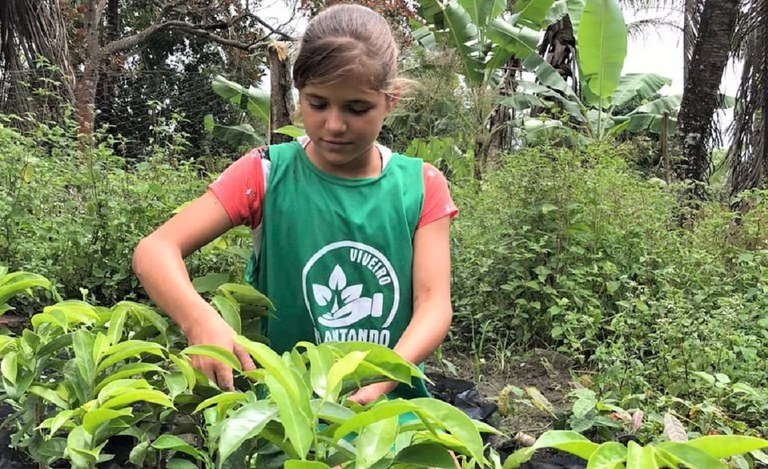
{"x": 74, "y": 214}
{"x": 571, "y": 250}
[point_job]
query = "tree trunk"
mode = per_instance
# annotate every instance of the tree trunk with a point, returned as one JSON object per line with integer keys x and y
{"x": 89, "y": 80}
{"x": 281, "y": 101}
{"x": 500, "y": 128}
{"x": 700, "y": 97}
{"x": 32, "y": 30}
{"x": 691, "y": 23}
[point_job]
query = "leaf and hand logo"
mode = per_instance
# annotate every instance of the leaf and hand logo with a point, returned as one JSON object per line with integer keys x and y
{"x": 347, "y": 306}
{"x": 350, "y": 290}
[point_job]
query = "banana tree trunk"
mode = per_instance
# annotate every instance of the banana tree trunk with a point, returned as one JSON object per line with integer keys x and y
{"x": 709, "y": 58}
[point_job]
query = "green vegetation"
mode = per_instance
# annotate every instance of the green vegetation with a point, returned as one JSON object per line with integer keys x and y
{"x": 578, "y": 234}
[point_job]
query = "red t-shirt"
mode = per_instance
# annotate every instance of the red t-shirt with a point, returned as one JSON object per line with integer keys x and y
{"x": 240, "y": 189}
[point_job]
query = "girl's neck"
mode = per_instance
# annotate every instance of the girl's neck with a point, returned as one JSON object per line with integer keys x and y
{"x": 369, "y": 166}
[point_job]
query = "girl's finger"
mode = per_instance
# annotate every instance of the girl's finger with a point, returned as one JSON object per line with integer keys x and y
{"x": 224, "y": 377}
{"x": 245, "y": 358}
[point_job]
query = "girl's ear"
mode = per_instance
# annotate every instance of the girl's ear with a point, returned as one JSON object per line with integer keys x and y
{"x": 392, "y": 99}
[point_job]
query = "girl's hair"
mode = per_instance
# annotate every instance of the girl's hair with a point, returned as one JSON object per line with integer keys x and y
{"x": 347, "y": 40}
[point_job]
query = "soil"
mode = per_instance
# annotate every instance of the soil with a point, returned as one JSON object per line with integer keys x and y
{"x": 549, "y": 372}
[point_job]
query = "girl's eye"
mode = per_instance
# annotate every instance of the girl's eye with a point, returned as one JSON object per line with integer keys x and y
{"x": 318, "y": 106}
{"x": 359, "y": 111}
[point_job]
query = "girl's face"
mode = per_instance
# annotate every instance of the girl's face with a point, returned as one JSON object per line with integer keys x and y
{"x": 342, "y": 121}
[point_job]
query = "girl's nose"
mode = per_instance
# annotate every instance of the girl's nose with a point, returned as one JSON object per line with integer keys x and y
{"x": 335, "y": 121}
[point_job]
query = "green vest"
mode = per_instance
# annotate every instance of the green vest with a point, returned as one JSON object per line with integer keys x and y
{"x": 337, "y": 254}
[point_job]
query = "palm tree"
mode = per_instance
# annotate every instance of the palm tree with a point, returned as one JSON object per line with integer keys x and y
{"x": 31, "y": 30}
{"x": 748, "y": 152}
{"x": 700, "y": 96}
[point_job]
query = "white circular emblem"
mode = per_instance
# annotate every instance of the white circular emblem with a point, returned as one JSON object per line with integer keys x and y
{"x": 340, "y": 299}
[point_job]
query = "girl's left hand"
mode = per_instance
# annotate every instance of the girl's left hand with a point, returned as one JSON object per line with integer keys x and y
{"x": 370, "y": 393}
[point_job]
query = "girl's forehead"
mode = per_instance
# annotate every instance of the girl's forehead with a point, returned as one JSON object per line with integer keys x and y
{"x": 343, "y": 90}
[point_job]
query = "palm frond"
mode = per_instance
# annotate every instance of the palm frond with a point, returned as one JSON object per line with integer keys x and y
{"x": 644, "y": 27}
{"x": 748, "y": 152}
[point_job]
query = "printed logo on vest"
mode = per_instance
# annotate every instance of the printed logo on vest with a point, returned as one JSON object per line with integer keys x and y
{"x": 347, "y": 282}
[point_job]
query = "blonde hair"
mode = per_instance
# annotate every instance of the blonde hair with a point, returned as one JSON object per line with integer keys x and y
{"x": 348, "y": 40}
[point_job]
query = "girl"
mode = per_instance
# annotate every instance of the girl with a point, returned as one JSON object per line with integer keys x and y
{"x": 351, "y": 240}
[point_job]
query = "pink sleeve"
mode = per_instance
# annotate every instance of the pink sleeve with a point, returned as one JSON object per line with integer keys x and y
{"x": 240, "y": 189}
{"x": 437, "y": 199}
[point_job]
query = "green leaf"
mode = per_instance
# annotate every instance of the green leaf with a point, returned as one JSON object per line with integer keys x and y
{"x": 180, "y": 464}
{"x": 226, "y": 398}
{"x": 575, "y": 13}
{"x": 17, "y": 282}
{"x": 456, "y": 422}
{"x": 271, "y": 362}
{"x": 183, "y": 365}
{"x": 299, "y": 425}
{"x": 243, "y": 424}
{"x": 291, "y": 131}
{"x": 568, "y": 441}
{"x": 94, "y": 418}
{"x": 229, "y": 310}
{"x": 49, "y": 395}
{"x": 82, "y": 342}
{"x": 482, "y": 11}
{"x": 602, "y": 46}
{"x": 379, "y": 411}
{"x": 255, "y": 100}
{"x": 520, "y": 41}
{"x": 176, "y": 383}
{"x": 294, "y": 464}
{"x": 210, "y": 282}
{"x": 340, "y": 370}
{"x": 320, "y": 363}
{"x": 688, "y": 455}
{"x": 640, "y": 457}
{"x": 129, "y": 349}
{"x": 331, "y": 411}
{"x": 426, "y": 455}
{"x": 129, "y": 397}
{"x": 246, "y": 295}
{"x": 60, "y": 419}
{"x": 116, "y": 326}
{"x": 173, "y": 442}
{"x": 78, "y": 448}
{"x": 454, "y": 27}
{"x": 9, "y": 367}
{"x": 241, "y": 135}
{"x": 375, "y": 442}
{"x": 145, "y": 315}
{"x": 638, "y": 85}
{"x": 128, "y": 371}
{"x": 610, "y": 455}
{"x": 533, "y": 13}
{"x": 725, "y": 446}
{"x": 217, "y": 353}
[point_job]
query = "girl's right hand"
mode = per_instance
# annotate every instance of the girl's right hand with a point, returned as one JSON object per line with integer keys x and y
{"x": 215, "y": 331}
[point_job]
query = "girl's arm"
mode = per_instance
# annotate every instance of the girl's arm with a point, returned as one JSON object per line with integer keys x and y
{"x": 432, "y": 312}
{"x": 158, "y": 262}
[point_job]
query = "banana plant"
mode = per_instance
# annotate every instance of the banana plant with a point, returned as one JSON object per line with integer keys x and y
{"x": 254, "y": 107}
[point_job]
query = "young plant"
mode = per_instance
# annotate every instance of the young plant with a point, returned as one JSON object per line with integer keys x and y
{"x": 705, "y": 452}
{"x": 296, "y": 414}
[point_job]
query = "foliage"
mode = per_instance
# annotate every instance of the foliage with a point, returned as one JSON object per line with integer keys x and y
{"x": 700, "y": 453}
{"x": 585, "y": 257}
{"x": 75, "y": 214}
{"x": 82, "y": 375}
